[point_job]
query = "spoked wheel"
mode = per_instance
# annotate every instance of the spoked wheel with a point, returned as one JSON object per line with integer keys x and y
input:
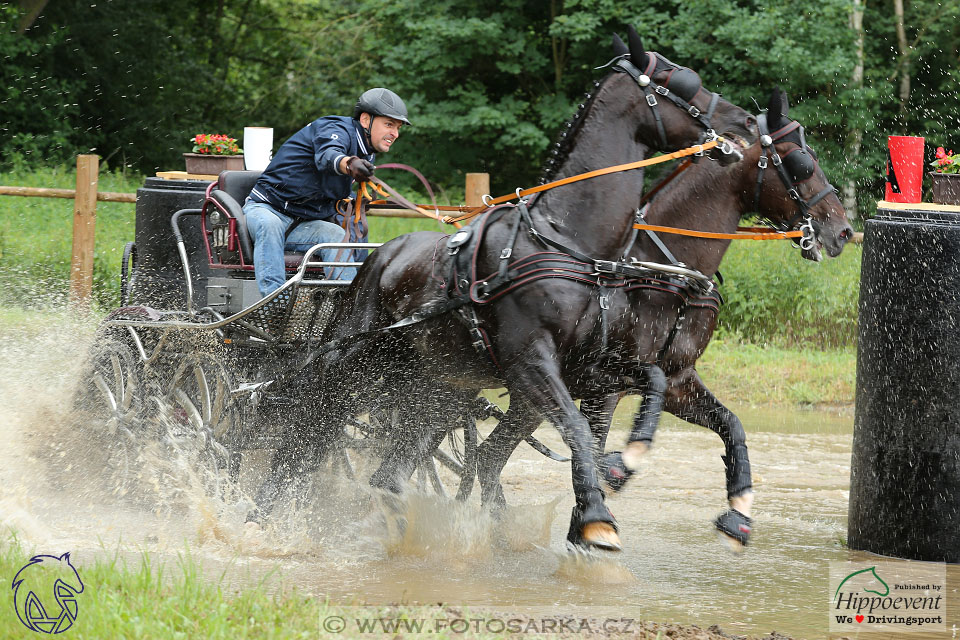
{"x": 450, "y": 466}
{"x": 457, "y": 458}
{"x": 367, "y": 434}
{"x": 111, "y": 394}
{"x": 205, "y": 417}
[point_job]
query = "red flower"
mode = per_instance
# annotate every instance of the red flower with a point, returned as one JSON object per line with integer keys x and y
{"x": 941, "y": 152}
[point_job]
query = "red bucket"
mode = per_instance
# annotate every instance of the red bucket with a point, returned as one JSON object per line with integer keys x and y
{"x": 904, "y": 169}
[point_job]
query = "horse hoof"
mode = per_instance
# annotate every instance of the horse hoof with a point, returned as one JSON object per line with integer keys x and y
{"x": 735, "y": 528}
{"x": 615, "y": 473}
{"x": 601, "y": 535}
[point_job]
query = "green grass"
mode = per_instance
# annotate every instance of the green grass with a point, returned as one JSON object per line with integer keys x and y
{"x": 36, "y": 236}
{"x": 746, "y": 373}
{"x": 774, "y": 296}
{"x": 148, "y": 598}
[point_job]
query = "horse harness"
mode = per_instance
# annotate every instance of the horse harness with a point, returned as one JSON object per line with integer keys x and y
{"x": 466, "y": 289}
{"x": 686, "y": 86}
{"x": 795, "y": 166}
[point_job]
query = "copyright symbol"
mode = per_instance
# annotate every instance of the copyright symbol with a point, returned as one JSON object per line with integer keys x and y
{"x": 334, "y": 624}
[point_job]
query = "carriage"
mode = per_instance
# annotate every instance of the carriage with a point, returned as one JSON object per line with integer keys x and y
{"x": 580, "y": 311}
{"x": 227, "y": 368}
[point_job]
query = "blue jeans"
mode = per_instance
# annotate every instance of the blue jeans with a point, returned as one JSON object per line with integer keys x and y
{"x": 267, "y": 227}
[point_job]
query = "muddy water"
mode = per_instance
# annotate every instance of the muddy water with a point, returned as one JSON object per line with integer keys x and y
{"x": 61, "y": 491}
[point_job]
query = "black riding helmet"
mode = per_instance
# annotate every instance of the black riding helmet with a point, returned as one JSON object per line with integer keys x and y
{"x": 381, "y": 102}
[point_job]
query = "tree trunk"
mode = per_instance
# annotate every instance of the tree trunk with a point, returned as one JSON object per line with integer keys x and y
{"x": 558, "y": 45}
{"x": 32, "y": 9}
{"x": 904, "y": 92}
{"x": 855, "y": 138}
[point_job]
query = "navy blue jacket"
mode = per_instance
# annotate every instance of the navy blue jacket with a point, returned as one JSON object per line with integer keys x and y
{"x": 303, "y": 179}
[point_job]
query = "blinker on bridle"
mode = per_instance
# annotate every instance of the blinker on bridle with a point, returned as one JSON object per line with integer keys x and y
{"x": 809, "y": 226}
{"x": 651, "y": 90}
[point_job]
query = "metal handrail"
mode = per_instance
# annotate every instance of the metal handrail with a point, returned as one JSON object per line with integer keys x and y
{"x": 297, "y": 278}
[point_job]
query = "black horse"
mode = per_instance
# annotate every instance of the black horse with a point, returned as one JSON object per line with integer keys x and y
{"x": 781, "y": 180}
{"x": 534, "y": 328}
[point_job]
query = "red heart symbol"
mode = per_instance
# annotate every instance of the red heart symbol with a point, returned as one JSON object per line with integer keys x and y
{"x": 859, "y": 618}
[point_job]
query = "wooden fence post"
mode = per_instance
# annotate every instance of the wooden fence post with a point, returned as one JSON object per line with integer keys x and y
{"x": 84, "y": 222}
{"x": 478, "y": 185}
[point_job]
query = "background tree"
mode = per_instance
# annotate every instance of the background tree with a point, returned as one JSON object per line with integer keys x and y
{"x": 489, "y": 83}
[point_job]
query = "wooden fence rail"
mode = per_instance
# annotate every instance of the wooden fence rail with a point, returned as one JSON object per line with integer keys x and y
{"x": 70, "y": 194}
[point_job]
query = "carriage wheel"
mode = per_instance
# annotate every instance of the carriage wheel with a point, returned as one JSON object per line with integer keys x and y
{"x": 456, "y": 453}
{"x": 110, "y": 393}
{"x": 205, "y": 415}
{"x": 128, "y": 271}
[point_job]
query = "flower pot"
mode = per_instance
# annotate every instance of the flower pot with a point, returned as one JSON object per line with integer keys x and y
{"x": 946, "y": 188}
{"x": 205, "y": 164}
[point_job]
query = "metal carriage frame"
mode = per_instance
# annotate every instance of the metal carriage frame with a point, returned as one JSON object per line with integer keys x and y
{"x": 218, "y": 371}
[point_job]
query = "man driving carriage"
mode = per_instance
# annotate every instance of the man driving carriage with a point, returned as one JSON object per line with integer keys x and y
{"x": 294, "y": 204}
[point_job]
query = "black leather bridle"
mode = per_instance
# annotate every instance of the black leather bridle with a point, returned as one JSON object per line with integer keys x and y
{"x": 802, "y": 220}
{"x": 653, "y": 92}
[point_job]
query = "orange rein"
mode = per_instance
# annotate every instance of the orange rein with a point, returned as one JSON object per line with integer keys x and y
{"x": 743, "y": 233}
{"x": 689, "y": 151}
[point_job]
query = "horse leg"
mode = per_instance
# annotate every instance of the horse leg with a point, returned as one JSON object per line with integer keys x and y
{"x": 688, "y": 399}
{"x": 518, "y": 423}
{"x": 617, "y": 467}
{"x": 539, "y": 383}
{"x": 598, "y": 410}
{"x": 289, "y": 462}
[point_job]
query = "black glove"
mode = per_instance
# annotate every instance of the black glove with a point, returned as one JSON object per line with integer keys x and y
{"x": 359, "y": 169}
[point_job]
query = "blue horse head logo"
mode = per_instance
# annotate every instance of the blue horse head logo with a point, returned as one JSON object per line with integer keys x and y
{"x": 45, "y": 593}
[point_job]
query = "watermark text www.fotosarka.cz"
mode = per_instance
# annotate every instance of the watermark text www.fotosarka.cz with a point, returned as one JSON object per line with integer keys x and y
{"x": 888, "y": 596}
{"x": 351, "y": 621}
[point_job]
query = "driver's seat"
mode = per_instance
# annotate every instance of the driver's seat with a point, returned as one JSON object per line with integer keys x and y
{"x": 223, "y": 222}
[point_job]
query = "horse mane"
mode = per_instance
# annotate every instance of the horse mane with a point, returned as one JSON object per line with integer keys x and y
{"x": 564, "y": 142}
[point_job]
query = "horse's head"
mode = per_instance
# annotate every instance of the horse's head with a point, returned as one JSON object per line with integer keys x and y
{"x": 674, "y": 111}
{"x": 792, "y": 191}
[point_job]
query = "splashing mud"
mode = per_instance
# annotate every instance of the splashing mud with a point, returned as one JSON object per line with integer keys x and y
{"x": 69, "y": 481}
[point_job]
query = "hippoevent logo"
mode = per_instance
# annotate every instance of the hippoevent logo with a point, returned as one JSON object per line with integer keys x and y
{"x": 45, "y": 593}
{"x": 887, "y": 596}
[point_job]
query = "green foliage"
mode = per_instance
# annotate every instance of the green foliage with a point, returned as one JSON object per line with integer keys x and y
{"x": 134, "y": 82}
{"x": 38, "y": 106}
{"x": 774, "y": 296}
{"x": 488, "y": 83}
